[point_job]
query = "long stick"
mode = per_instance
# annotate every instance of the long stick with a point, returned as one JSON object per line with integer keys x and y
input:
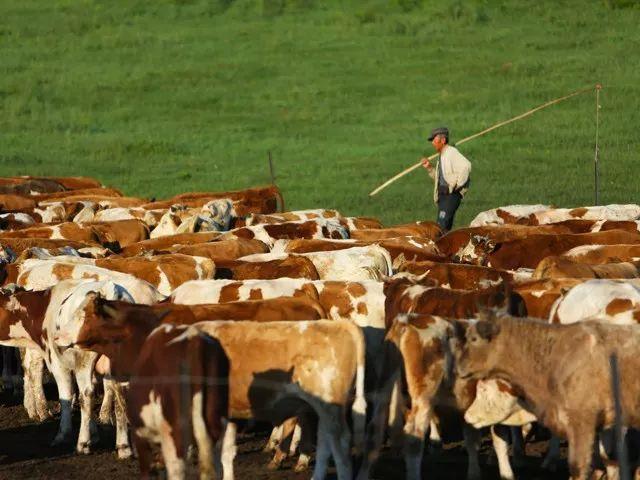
{"x": 483, "y": 132}
{"x": 596, "y": 173}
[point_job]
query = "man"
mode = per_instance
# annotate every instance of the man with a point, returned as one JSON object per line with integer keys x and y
{"x": 451, "y": 177}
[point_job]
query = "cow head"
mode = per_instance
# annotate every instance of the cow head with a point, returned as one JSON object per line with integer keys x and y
{"x": 475, "y": 251}
{"x": 102, "y": 322}
{"x": 221, "y": 213}
{"x": 475, "y": 348}
{"x": 496, "y": 402}
{"x": 7, "y": 255}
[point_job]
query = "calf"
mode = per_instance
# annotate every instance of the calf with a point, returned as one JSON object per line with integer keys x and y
{"x": 179, "y": 392}
{"x": 562, "y": 373}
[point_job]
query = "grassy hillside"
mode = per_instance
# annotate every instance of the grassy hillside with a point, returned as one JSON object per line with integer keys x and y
{"x": 160, "y": 97}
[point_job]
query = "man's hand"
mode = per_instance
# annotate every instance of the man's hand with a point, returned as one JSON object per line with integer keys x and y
{"x": 425, "y": 163}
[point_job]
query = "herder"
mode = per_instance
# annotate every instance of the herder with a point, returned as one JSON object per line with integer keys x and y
{"x": 451, "y": 177}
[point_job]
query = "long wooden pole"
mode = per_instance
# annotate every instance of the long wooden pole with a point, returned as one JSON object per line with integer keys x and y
{"x": 483, "y": 132}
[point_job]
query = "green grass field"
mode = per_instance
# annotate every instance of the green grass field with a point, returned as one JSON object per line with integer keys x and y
{"x": 160, "y": 97}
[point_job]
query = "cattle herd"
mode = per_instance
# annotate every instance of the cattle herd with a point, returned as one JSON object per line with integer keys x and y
{"x": 199, "y": 314}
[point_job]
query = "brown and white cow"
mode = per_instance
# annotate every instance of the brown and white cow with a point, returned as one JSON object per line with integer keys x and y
{"x": 536, "y": 298}
{"x": 161, "y": 412}
{"x": 458, "y": 276}
{"x": 318, "y": 228}
{"x": 293, "y": 216}
{"x": 290, "y": 266}
{"x": 164, "y": 272}
{"x": 318, "y": 363}
{"x": 425, "y": 229}
{"x": 220, "y": 250}
{"x": 599, "y": 254}
{"x": 528, "y": 252}
{"x": 562, "y": 373}
{"x": 405, "y": 295}
{"x": 252, "y": 200}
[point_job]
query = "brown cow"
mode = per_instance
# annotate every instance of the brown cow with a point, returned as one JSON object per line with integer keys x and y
{"x": 561, "y": 372}
{"x": 358, "y": 223}
{"x": 404, "y": 295}
{"x": 221, "y": 250}
{"x": 416, "y": 355}
{"x": 457, "y": 275}
{"x": 423, "y": 229}
{"x": 164, "y": 243}
{"x": 16, "y": 203}
{"x": 252, "y": 200}
{"x": 458, "y": 242}
{"x": 599, "y": 254}
{"x": 70, "y": 183}
{"x": 567, "y": 267}
{"x": 528, "y": 252}
{"x": 291, "y": 267}
{"x": 400, "y": 248}
{"x": 120, "y": 232}
{"x": 269, "y": 233}
{"x": 62, "y": 196}
{"x": 535, "y": 298}
{"x": 159, "y": 411}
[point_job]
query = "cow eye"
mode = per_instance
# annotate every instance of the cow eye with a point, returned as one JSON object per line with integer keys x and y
{"x": 473, "y": 339}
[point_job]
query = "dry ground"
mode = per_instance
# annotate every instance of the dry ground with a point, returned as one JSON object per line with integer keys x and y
{"x": 25, "y": 454}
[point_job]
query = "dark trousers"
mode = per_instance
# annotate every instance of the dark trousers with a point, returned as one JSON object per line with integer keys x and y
{"x": 447, "y": 206}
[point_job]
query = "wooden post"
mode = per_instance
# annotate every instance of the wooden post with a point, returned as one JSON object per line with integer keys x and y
{"x": 271, "y": 170}
{"x": 596, "y": 173}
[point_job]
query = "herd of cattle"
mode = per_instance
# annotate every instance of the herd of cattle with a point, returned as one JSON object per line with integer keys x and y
{"x": 208, "y": 309}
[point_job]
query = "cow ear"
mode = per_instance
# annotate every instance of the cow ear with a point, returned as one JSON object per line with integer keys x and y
{"x": 487, "y": 329}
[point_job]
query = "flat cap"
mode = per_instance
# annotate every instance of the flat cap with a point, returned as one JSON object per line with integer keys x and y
{"x": 439, "y": 131}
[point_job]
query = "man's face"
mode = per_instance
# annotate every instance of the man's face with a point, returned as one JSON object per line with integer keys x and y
{"x": 438, "y": 142}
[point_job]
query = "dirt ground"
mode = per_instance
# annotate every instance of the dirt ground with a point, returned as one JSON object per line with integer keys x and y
{"x": 25, "y": 454}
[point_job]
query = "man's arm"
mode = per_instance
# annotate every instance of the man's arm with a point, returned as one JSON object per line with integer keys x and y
{"x": 430, "y": 168}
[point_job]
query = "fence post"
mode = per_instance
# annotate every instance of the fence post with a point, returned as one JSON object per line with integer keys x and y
{"x": 271, "y": 170}
{"x": 596, "y": 173}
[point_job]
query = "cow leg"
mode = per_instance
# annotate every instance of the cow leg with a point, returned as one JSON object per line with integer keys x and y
{"x": 550, "y": 461}
{"x": 29, "y": 400}
{"x": 472, "y": 445}
{"x": 499, "y": 436}
{"x": 517, "y": 440}
{"x": 106, "y": 408}
{"x": 581, "y": 442}
{"x": 288, "y": 428}
{"x": 85, "y": 395}
{"x": 35, "y": 401}
{"x": 7, "y": 364}
{"x": 606, "y": 446}
{"x": 340, "y": 438}
{"x": 65, "y": 394}
{"x": 435, "y": 440}
{"x": 308, "y": 427}
{"x": 173, "y": 461}
{"x": 415, "y": 430}
{"x": 227, "y": 448}
{"x": 202, "y": 437}
{"x": 323, "y": 451}
{"x": 145, "y": 455}
{"x": 274, "y": 439}
{"x": 122, "y": 422}
{"x": 37, "y": 386}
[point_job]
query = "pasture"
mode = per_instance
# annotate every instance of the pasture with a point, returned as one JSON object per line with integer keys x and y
{"x": 160, "y": 97}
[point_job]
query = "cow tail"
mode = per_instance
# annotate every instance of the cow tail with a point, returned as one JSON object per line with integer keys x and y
{"x": 359, "y": 406}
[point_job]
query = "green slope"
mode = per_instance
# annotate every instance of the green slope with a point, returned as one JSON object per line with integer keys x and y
{"x": 161, "y": 97}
